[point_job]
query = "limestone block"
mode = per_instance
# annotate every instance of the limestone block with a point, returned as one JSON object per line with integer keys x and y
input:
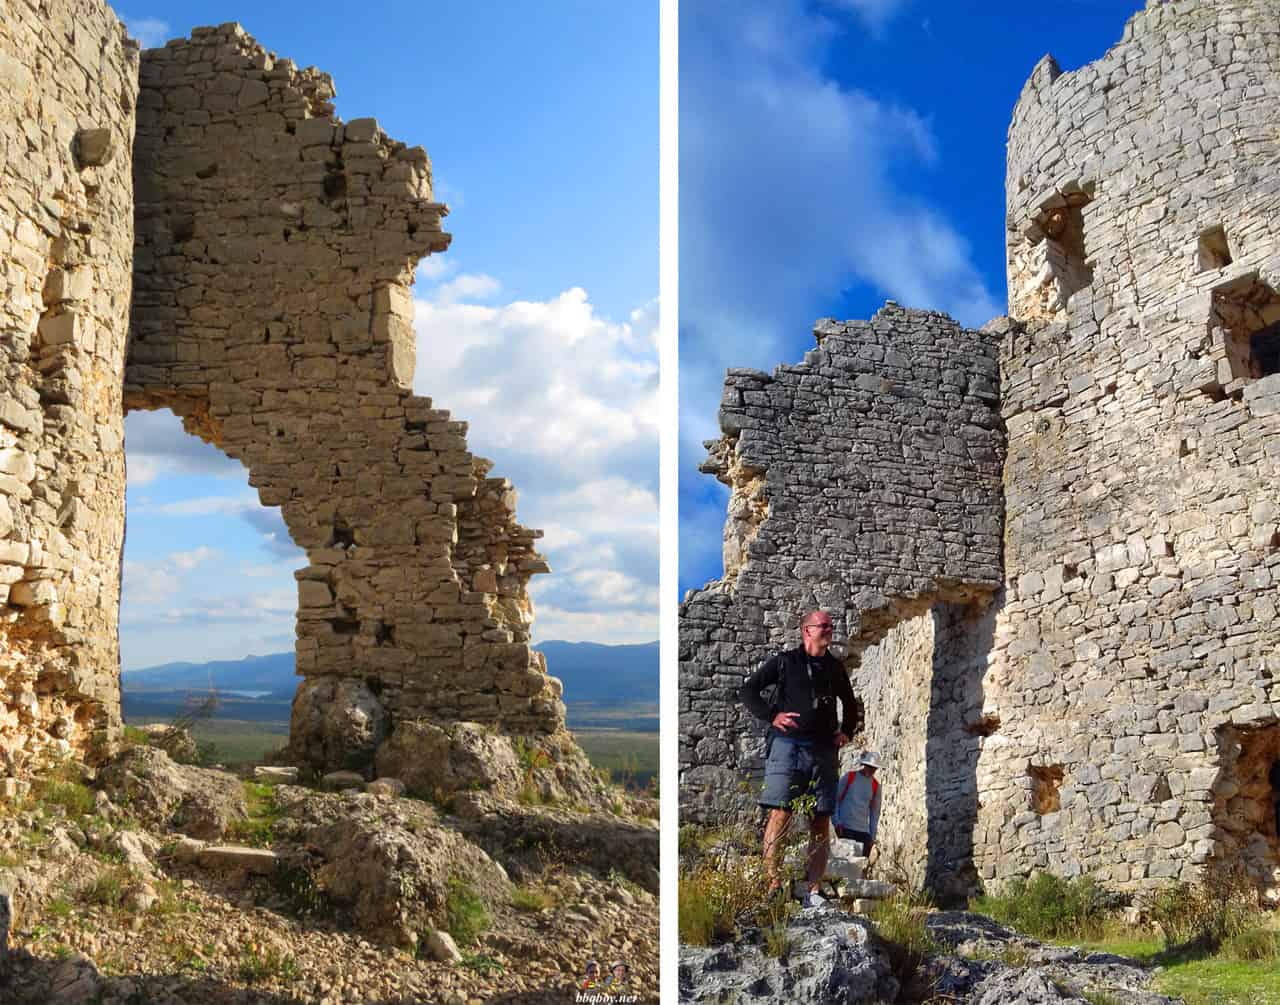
{"x": 340, "y": 780}
{"x": 441, "y": 947}
{"x": 18, "y": 463}
{"x": 261, "y": 861}
{"x": 94, "y": 147}
{"x": 313, "y": 593}
{"x": 276, "y": 774}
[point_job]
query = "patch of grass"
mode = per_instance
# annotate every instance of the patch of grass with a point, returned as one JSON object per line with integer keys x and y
{"x": 60, "y": 907}
{"x": 777, "y": 941}
{"x": 107, "y": 889}
{"x": 132, "y": 736}
{"x": 1049, "y": 907}
{"x": 1253, "y": 944}
{"x": 481, "y": 964}
{"x": 532, "y": 898}
{"x": 628, "y": 884}
{"x": 170, "y": 901}
{"x": 716, "y": 897}
{"x": 900, "y": 923}
{"x": 1101, "y": 998}
{"x": 1220, "y": 982}
{"x": 1207, "y": 914}
{"x": 297, "y": 886}
{"x": 258, "y": 830}
{"x": 75, "y": 798}
{"x": 260, "y": 963}
{"x": 465, "y": 913}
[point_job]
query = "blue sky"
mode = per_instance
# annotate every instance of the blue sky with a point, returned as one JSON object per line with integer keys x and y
{"x": 834, "y": 155}
{"x": 538, "y": 326}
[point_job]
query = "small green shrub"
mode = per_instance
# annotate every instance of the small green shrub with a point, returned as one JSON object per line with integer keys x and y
{"x": 1253, "y": 944}
{"x": 259, "y": 963}
{"x": 59, "y": 907}
{"x": 107, "y": 889}
{"x": 75, "y": 798}
{"x": 258, "y": 829}
{"x": 481, "y": 964}
{"x": 777, "y": 941}
{"x": 297, "y": 887}
{"x": 1102, "y": 998}
{"x": 1208, "y": 914}
{"x": 716, "y": 896}
{"x": 1049, "y": 907}
{"x": 900, "y": 923}
{"x": 465, "y": 914}
{"x": 532, "y": 898}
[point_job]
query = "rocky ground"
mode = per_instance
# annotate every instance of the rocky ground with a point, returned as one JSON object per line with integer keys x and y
{"x": 124, "y": 891}
{"x": 838, "y": 957}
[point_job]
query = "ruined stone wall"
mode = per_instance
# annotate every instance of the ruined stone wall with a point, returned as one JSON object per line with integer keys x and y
{"x": 1135, "y": 652}
{"x": 68, "y": 88}
{"x": 272, "y": 311}
{"x": 866, "y": 481}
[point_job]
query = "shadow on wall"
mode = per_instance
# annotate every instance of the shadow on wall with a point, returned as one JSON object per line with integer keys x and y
{"x": 964, "y": 637}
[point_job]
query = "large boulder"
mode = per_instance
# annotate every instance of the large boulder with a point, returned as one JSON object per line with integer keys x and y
{"x": 201, "y": 802}
{"x": 389, "y": 862}
{"x": 521, "y": 837}
{"x": 336, "y": 723}
{"x": 433, "y": 760}
{"x": 436, "y": 760}
{"x": 833, "y": 958}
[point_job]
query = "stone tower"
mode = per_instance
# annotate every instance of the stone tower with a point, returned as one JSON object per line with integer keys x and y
{"x": 1135, "y": 646}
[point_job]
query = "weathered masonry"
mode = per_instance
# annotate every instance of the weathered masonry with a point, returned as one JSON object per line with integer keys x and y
{"x": 270, "y": 250}
{"x": 865, "y": 480}
{"x": 1108, "y": 704}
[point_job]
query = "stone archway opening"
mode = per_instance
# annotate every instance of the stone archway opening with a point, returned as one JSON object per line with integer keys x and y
{"x": 208, "y": 576}
{"x": 1245, "y": 805}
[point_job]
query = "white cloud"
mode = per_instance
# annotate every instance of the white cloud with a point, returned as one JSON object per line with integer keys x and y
{"x": 158, "y": 447}
{"x": 565, "y": 402}
{"x": 150, "y": 32}
{"x": 188, "y": 560}
{"x": 468, "y": 286}
{"x": 791, "y": 192}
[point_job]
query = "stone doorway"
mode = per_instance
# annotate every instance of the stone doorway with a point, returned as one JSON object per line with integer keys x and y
{"x": 1245, "y": 798}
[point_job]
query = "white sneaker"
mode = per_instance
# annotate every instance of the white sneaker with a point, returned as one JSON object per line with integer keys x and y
{"x": 813, "y": 899}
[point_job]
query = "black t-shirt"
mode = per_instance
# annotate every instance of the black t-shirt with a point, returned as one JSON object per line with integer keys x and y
{"x": 808, "y": 686}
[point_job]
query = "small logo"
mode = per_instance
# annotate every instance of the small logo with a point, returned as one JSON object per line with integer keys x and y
{"x": 610, "y": 988}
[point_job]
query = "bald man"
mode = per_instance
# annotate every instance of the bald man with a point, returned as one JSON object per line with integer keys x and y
{"x": 805, "y": 732}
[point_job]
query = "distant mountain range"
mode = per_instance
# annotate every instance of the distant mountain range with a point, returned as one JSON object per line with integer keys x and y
{"x": 603, "y": 676}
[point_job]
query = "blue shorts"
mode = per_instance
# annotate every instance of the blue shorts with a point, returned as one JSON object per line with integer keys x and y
{"x": 798, "y": 768}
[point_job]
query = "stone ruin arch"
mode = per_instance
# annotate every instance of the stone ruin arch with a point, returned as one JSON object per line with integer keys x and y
{"x": 270, "y": 249}
{"x": 272, "y": 312}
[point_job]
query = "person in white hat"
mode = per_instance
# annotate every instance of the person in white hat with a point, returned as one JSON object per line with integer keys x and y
{"x": 857, "y": 812}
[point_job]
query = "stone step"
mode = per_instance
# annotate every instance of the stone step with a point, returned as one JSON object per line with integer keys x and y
{"x": 343, "y": 780}
{"x": 231, "y": 856}
{"x": 276, "y": 773}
